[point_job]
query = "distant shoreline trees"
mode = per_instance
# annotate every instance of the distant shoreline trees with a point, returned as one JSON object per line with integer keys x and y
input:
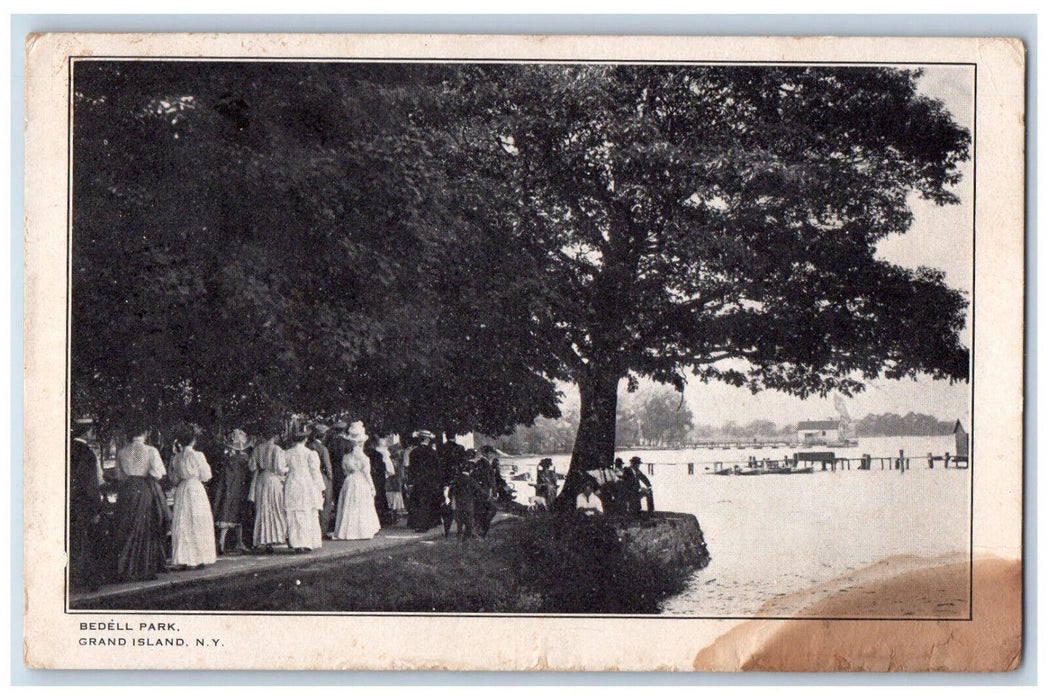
{"x": 556, "y": 436}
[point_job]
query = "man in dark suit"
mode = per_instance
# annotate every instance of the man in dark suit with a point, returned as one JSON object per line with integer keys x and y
{"x": 378, "y": 478}
{"x": 86, "y": 560}
{"x": 472, "y": 506}
{"x": 636, "y": 486}
{"x": 426, "y": 485}
{"x": 338, "y": 447}
{"x": 449, "y": 455}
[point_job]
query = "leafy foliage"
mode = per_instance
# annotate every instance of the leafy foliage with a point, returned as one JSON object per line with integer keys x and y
{"x": 437, "y": 244}
{"x": 716, "y": 220}
{"x": 656, "y": 415}
{"x": 252, "y": 240}
{"x": 893, "y": 424}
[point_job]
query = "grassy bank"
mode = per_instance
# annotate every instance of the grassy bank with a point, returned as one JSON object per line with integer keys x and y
{"x": 542, "y": 564}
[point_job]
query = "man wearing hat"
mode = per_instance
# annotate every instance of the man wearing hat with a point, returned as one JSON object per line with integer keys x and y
{"x": 86, "y": 565}
{"x": 316, "y": 443}
{"x": 426, "y": 493}
{"x": 634, "y": 484}
{"x": 546, "y": 482}
{"x": 470, "y": 503}
{"x": 232, "y": 480}
{"x": 482, "y": 470}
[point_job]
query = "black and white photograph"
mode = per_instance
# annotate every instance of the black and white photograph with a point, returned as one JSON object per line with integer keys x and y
{"x": 675, "y": 340}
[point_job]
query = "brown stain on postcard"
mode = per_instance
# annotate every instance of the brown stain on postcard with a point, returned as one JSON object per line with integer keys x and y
{"x": 990, "y": 641}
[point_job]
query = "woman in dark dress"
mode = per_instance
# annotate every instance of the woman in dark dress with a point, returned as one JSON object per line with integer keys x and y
{"x": 233, "y": 478}
{"x": 142, "y": 516}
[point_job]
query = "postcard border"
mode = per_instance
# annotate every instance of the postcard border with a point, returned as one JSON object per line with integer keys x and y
{"x": 72, "y": 59}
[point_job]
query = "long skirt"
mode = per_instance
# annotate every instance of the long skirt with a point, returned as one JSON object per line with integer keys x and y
{"x": 192, "y": 528}
{"x": 424, "y": 510}
{"x": 303, "y": 529}
{"x": 270, "y": 518}
{"x": 140, "y": 527}
{"x": 357, "y": 518}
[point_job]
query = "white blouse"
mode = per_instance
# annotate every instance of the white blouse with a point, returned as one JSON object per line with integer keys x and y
{"x": 139, "y": 459}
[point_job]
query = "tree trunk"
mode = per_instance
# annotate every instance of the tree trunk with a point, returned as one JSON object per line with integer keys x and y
{"x": 595, "y": 440}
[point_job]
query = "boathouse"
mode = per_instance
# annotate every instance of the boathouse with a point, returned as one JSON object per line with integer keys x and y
{"x": 818, "y": 431}
{"x": 961, "y": 443}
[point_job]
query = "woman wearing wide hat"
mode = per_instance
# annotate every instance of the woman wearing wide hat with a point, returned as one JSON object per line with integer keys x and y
{"x": 142, "y": 516}
{"x": 303, "y": 494}
{"x": 233, "y": 479}
{"x": 192, "y": 525}
{"x": 357, "y": 518}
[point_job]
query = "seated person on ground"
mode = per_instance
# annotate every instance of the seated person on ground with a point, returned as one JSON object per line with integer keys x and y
{"x": 588, "y": 503}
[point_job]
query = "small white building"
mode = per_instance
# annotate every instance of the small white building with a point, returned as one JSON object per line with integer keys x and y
{"x": 815, "y": 432}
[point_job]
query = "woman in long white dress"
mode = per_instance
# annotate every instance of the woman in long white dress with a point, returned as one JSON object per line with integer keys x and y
{"x": 192, "y": 526}
{"x": 269, "y": 466}
{"x": 303, "y": 495}
{"x": 357, "y": 518}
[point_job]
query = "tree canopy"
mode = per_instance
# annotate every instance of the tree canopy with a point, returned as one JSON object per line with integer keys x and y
{"x": 436, "y": 244}
{"x": 719, "y": 221}
{"x": 251, "y": 240}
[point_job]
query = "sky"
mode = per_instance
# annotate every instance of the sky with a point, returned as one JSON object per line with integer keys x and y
{"x": 941, "y": 237}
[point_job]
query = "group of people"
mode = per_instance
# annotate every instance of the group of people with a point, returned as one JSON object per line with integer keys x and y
{"x": 618, "y": 489}
{"x": 451, "y": 484}
{"x": 290, "y": 489}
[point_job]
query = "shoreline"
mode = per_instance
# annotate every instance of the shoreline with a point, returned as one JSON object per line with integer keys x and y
{"x": 525, "y": 565}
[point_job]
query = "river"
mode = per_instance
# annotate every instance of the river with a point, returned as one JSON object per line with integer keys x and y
{"x": 775, "y": 535}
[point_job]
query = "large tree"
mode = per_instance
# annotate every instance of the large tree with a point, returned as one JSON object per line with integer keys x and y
{"x": 712, "y": 220}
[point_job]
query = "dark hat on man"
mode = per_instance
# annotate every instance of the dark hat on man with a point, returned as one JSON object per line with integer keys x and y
{"x": 635, "y": 460}
{"x": 618, "y": 461}
{"x": 546, "y": 462}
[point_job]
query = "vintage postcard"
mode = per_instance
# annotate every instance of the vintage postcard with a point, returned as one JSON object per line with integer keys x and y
{"x": 523, "y": 352}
